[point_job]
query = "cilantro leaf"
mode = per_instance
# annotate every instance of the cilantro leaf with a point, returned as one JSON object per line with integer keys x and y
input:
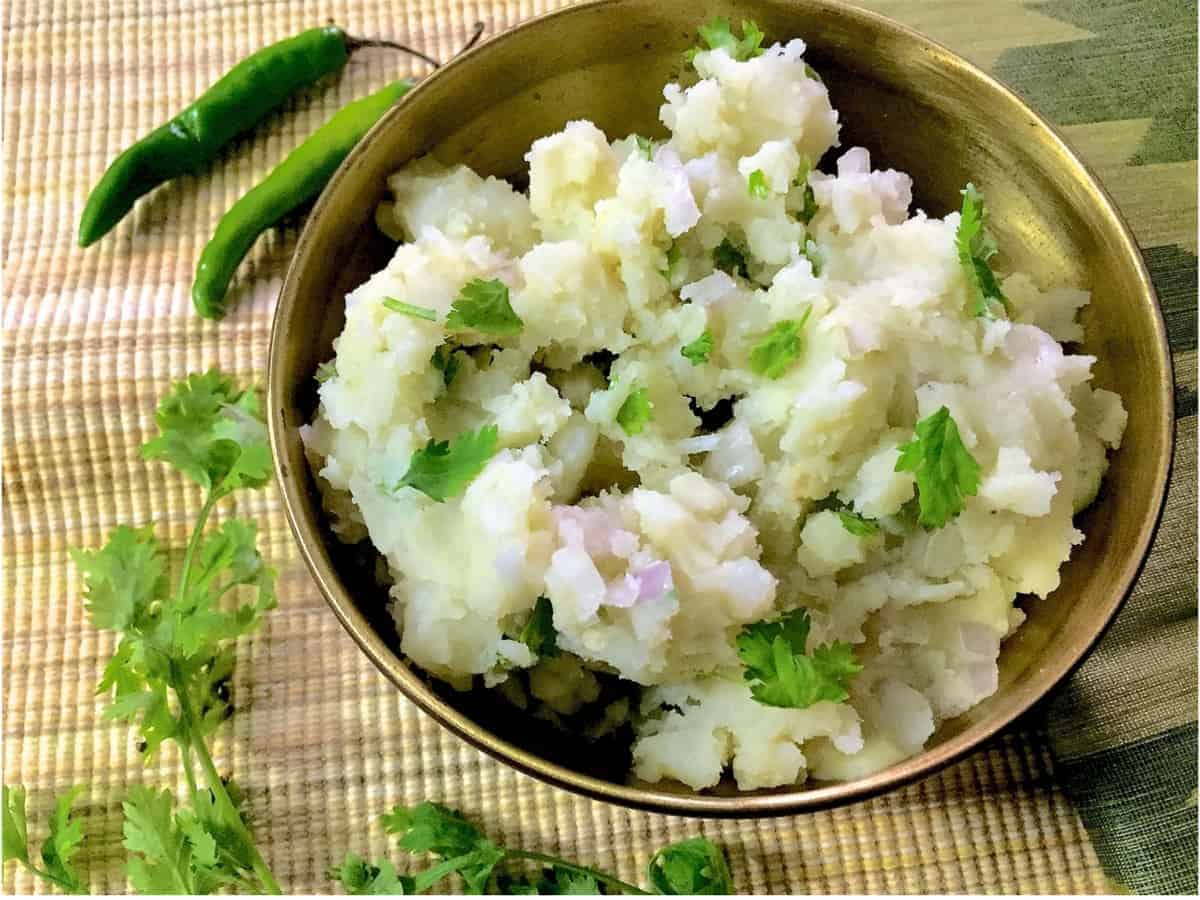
{"x": 567, "y": 882}
{"x": 15, "y": 837}
{"x": 975, "y": 246}
{"x": 857, "y": 525}
{"x": 756, "y": 184}
{"x": 408, "y": 309}
{"x": 519, "y": 885}
{"x": 443, "y": 469}
{"x": 213, "y": 433}
{"x": 779, "y": 348}
{"x": 717, "y": 33}
{"x": 433, "y": 828}
{"x": 475, "y": 868}
{"x": 691, "y": 867}
{"x": 163, "y": 861}
{"x": 448, "y": 362}
{"x": 124, "y": 579}
{"x": 635, "y": 412}
{"x": 237, "y": 852}
{"x": 729, "y": 258}
{"x": 326, "y": 370}
{"x": 695, "y": 866}
{"x": 228, "y": 558}
{"x": 946, "y": 471}
{"x": 186, "y": 851}
{"x": 698, "y": 351}
{"x": 362, "y": 878}
{"x": 781, "y": 673}
{"x": 539, "y": 633}
{"x": 483, "y": 306}
{"x": 558, "y": 880}
{"x": 61, "y": 845}
{"x": 808, "y": 208}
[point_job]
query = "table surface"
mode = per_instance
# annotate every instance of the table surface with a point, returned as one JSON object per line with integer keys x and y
{"x": 320, "y": 740}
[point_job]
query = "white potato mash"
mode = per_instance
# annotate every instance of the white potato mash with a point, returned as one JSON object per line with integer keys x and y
{"x": 691, "y": 412}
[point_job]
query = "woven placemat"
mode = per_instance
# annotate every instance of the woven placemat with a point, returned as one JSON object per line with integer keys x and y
{"x": 320, "y": 740}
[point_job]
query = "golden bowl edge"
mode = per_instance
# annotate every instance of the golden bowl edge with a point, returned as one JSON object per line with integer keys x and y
{"x": 288, "y": 342}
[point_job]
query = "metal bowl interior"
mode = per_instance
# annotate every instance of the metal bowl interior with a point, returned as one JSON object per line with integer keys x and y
{"x": 916, "y": 107}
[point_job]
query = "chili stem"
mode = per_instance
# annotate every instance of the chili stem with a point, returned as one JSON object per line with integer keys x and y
{"x": 476, "y": 34}
{"x": 353, "y": 44}
{"x": 623, "y": 886}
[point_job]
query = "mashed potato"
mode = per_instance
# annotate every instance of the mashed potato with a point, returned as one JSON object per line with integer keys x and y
{"x": 722, "y": 356}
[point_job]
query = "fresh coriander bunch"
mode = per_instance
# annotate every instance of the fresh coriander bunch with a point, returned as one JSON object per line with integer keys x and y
{"x": 169, "y": 675}
{"x": 690, "y": 867}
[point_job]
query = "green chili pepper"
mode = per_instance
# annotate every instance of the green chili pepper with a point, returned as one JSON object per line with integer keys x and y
{"x": 236, "y": 103}
{"x": 296, "y": 180}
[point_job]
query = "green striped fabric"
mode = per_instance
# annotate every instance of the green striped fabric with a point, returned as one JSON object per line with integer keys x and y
{"x": 1123, "y": 729}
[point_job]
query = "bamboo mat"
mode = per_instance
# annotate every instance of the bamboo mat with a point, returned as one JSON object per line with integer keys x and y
{"x": 323, "y": 743}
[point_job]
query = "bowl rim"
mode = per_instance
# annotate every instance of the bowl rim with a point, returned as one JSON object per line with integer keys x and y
{"x": 799, "y": 799}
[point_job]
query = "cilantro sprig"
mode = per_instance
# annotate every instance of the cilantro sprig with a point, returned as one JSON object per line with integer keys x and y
{"x": 975, "y": 247}
{"x": 57, "y": 850}
{"x": 443, "y": 469}
{"x": 946, "y": 471}
{"x": 483, "y": 306}
{"x": 695, "y": 866}
{"x": 782, "y": 672}
{"x": 170, "y": 672}
{"x": 780, "y": 348}
{"x": 717, "y": 34}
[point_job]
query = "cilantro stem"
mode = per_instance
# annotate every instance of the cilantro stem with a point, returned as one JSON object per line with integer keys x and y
{"x": 623, "y": 886}
{"x": 194, "y": 542}
{"x": 189, "y": 771}
{"x": 233, "y": 818}
{"x": 194, "y": 741}
{"x": 70, "y": 887}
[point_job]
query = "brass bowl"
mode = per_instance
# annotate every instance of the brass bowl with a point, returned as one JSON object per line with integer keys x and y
{"x": 916, "y": 107}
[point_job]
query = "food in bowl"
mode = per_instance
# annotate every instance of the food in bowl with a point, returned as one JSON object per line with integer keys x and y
{"x": 749, "y": 440}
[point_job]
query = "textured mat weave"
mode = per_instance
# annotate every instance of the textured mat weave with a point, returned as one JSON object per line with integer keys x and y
{"x": 320, "y": 740}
